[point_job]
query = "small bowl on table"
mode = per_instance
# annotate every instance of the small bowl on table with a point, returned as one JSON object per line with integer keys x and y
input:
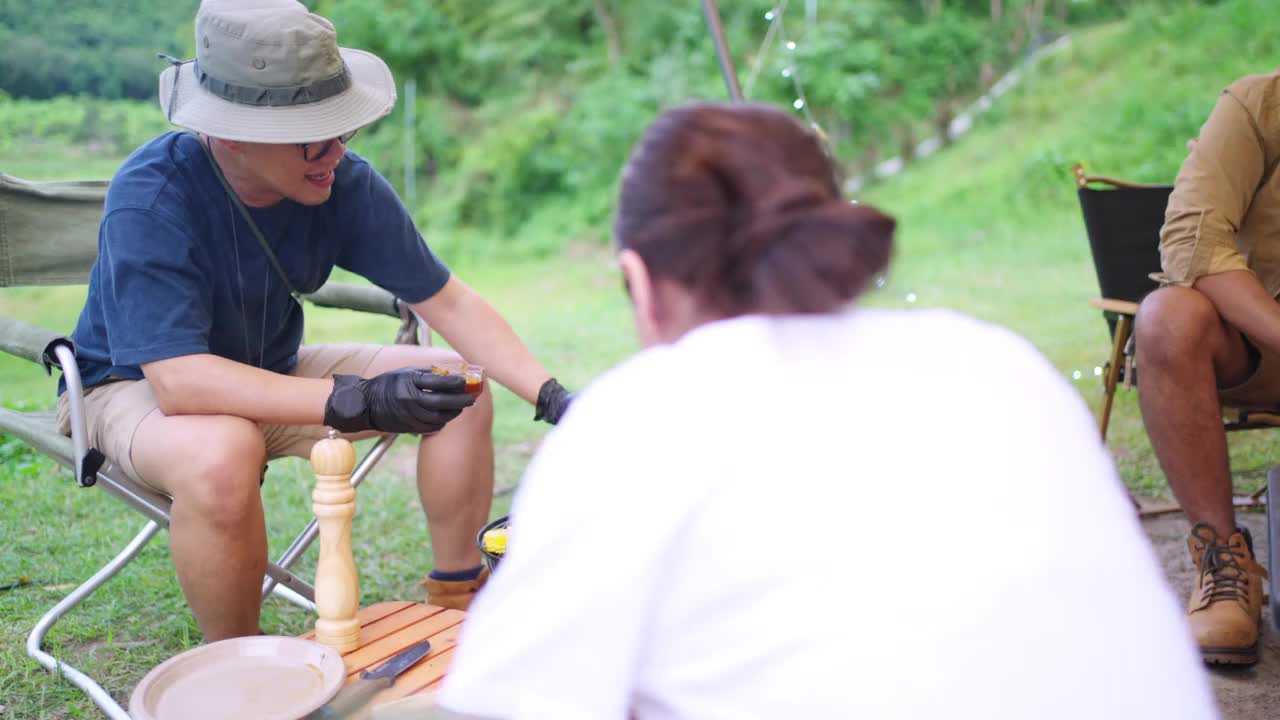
{"x": 492, "y": 540}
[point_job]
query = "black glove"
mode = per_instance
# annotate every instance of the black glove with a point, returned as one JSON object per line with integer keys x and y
{"x": 553, "y": 402}
{"x": 408, "y": 400}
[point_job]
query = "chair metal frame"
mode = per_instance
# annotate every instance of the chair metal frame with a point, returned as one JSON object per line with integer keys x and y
{"x": 91, "y": 468}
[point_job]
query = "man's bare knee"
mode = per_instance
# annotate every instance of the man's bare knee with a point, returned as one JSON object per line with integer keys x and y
{"x": 220, "y": 480}
{"x": 1174, "y": 323}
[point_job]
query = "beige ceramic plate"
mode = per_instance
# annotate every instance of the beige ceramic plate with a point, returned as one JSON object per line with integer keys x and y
{"x": 263, "y": 677}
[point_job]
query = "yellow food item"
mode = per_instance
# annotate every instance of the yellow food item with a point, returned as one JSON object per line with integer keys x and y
{"x": 495, "y": 541}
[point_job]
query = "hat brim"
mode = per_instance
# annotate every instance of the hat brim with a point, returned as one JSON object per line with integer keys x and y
{"x": 371, "y": 96}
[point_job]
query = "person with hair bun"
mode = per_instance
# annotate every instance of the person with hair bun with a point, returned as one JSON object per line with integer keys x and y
{"x": 788, "y": 506}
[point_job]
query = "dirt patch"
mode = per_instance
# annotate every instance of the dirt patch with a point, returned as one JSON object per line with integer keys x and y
{"x": 1243, "y": 694}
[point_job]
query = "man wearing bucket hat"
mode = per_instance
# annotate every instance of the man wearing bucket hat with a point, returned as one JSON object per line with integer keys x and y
{"x": 190, "y": 338}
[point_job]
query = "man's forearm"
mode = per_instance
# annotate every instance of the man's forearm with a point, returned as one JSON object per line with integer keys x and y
{"x": 211, "y": 385}
{"x": 1245, "y": 304}
{"x": 482, "y": 336}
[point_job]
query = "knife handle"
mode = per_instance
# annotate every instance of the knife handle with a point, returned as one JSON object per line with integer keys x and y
{"x": 352, "y": 699}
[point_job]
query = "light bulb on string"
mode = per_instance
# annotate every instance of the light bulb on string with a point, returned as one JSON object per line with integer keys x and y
{"x": 1077, "y": 375}
{"x": 776, "y": 17}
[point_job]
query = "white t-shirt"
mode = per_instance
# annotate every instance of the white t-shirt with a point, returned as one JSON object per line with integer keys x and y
{"x": 879, "y": 514}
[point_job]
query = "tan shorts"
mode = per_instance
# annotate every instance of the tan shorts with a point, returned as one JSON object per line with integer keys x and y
{"x": 1261, "y": 390}
{"x": 114, "y": 411}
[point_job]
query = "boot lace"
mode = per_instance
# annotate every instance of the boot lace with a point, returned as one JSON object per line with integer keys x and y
{"x": 1224, "y": 575}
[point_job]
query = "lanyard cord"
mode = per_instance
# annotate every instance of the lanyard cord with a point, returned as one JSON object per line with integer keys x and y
{"x": 257, "y": 233}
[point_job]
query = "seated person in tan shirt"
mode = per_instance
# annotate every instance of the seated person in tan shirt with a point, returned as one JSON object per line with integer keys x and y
{"x": 1211, "y": 337}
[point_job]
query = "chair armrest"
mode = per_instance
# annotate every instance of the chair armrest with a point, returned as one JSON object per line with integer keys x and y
{"x": 1083, "y": 180}
{"x": 88, "y": 460}
{"x": 48, "y": 348}
{"x": 27, "y": 341}
{"x": 364, "y": 298}
{"x": 1123, "y": 307}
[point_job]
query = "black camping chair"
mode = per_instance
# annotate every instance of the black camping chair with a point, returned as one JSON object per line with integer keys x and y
{"x": 1123, "y": 224}
{"x": 1123, "y": 221}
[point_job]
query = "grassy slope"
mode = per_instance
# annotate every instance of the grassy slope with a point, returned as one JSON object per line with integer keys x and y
{"x": 992, "y": 226}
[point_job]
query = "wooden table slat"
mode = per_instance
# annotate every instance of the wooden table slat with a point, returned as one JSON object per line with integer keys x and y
{"x": 370, "y": 615}
{"x": 429, "y": 671}
{"x": 394, "y": 623}
{"x": 374, "y": 653}
{"x": 389, "y": 627}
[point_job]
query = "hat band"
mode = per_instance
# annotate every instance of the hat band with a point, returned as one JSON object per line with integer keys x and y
{"x": 274, "y": 97}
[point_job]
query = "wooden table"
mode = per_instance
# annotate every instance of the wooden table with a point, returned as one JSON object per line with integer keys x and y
{"x": 389, "y": 627}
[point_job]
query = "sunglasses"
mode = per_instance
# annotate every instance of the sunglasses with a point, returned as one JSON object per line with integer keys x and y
{"x": 314, "y": 151}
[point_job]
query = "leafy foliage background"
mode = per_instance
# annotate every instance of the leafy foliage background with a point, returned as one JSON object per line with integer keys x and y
{"x": 524, "y": 112}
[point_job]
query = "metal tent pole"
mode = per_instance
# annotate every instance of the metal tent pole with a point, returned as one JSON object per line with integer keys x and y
{"x": 722, "y": 50}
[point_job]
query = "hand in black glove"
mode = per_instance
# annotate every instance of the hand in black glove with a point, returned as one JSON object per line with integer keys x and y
{"x": 553, "y": 402}
{"x": 408, "y": 400}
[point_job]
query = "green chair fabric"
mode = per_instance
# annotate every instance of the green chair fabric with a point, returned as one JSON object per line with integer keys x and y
{"x": 48, "y": 230}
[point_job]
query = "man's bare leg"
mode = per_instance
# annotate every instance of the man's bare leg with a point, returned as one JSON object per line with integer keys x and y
{"x": 211, "y": 466}
{"x": 1185, "y": 352}
{"x": 455, "y": 482}
{"x": 455, "y": 469}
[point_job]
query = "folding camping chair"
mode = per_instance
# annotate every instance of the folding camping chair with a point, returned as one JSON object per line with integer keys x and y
{"x": 48, "y": 236}
{"x": 1123, "y": 221}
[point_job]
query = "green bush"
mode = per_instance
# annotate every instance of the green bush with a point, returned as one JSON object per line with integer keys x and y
{"x": 111, "y": 126}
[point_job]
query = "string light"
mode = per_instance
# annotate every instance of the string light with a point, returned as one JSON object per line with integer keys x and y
{"x": 774, "y": 17}
{"x": 778, "y": 28}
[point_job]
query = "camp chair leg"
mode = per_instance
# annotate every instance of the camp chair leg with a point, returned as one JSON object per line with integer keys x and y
{"x": 1113, "y": 372}
{"x": 285, "y": 592}
{"x": 312, "y": 530}
{"x": 279, "y": 581}
{"x": 34, "y": 641}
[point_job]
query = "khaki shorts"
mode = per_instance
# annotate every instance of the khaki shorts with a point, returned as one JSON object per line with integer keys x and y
{"x": 1261, "y": 390}
{"x": 114, "y": 411}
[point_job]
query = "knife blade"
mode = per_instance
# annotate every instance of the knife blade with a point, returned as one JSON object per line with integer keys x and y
{"x": 353, "y": 698}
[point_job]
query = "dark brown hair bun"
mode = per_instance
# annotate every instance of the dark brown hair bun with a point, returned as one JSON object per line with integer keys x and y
{"x": 740, "y": 204}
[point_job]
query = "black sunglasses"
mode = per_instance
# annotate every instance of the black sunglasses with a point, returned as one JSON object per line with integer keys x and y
{"x": 322, "y": 148}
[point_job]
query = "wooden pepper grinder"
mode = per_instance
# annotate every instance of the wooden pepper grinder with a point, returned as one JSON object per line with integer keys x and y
{"x": 337, "y": 585}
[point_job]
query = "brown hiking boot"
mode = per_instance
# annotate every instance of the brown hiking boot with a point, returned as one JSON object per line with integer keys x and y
{"x": 455, "y": 594}
{"x": 1226, "y": 603}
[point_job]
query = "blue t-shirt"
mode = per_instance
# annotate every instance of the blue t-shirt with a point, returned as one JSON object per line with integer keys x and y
{"x": 179, "y": 272}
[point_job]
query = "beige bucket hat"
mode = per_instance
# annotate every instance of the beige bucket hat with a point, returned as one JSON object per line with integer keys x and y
{"x": 270, "y": 71}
